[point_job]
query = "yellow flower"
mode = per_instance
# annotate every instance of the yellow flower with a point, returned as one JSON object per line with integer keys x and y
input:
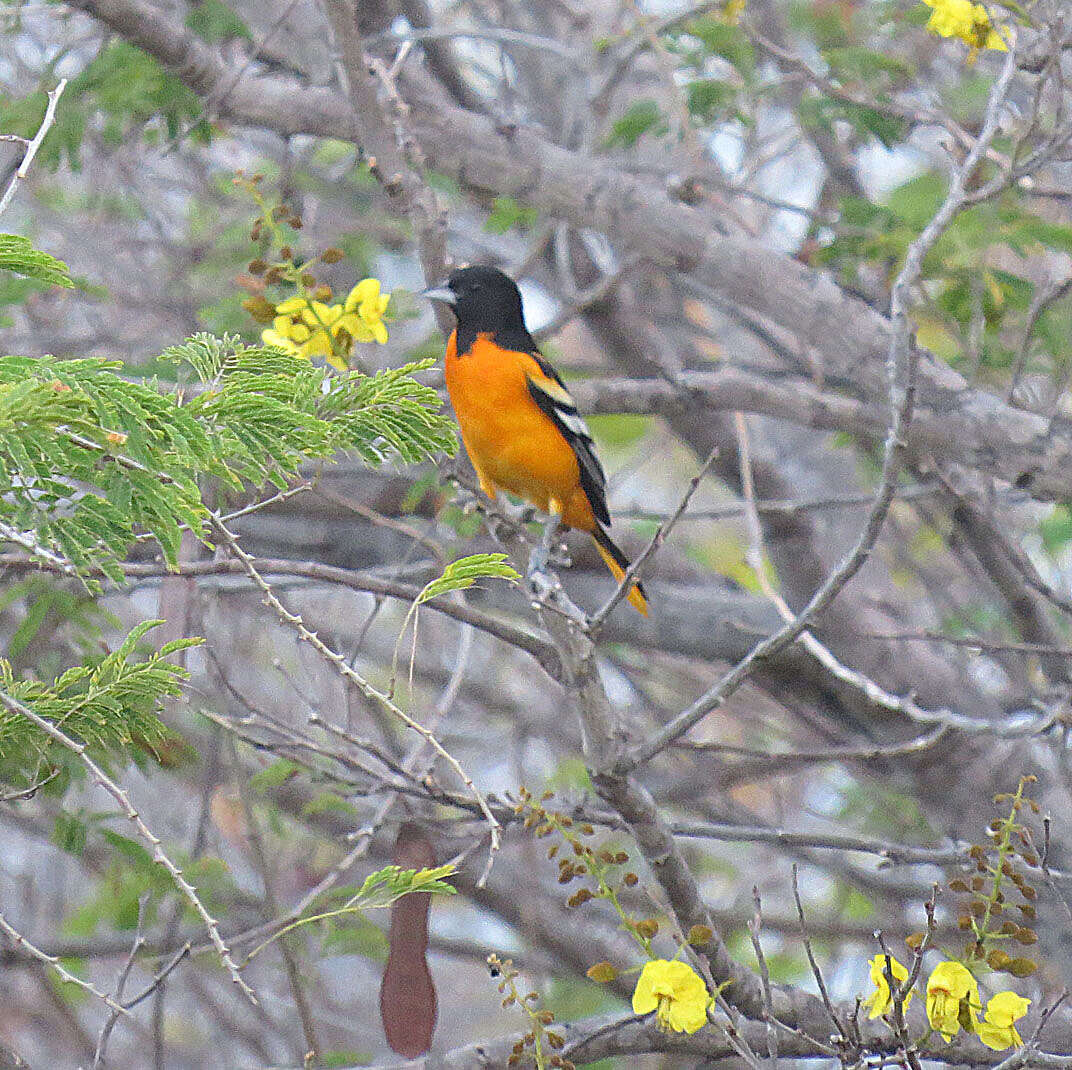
{"x": 968, "y": 21}
{"x": 952, "y": 999}
{"x": 363, "y": 312}
{"x": 318, "y": 314}
{"x": 675, "y": 992}
{"x": 305, "y": 329}
{"x": 732, "y": 9}
{"x": 272, "y": 337}
{"x": 881, "y": 1000}
{"x": 998, "y": 1031}
{"x": 292, "y": 306}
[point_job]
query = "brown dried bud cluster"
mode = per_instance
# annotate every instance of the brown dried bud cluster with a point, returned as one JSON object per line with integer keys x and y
{"x": 538, "y": 1037}
{"x": 998, "y": 882}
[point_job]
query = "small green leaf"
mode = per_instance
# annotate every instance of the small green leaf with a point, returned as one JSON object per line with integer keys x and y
{"x": 214, "y": 21}
{"x": 507, "y": 213}
{"x": 708, "y": 98}
{"x": 464, "y": 572}
{"x": 279, "y": 772}
{"x": 640, "y": 118}
{"x": 1056, "y": 529}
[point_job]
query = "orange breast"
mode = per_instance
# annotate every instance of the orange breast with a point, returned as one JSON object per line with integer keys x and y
{"x": 512, "y": 443}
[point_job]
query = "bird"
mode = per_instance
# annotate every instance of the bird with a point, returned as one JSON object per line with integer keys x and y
{"x": 518, "y": 422}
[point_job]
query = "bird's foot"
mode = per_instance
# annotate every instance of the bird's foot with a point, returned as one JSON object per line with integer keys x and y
{"x": 520, "y": 515}
{"x": 544, "y": 553}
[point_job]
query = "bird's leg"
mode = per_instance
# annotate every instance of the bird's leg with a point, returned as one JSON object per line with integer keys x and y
{"x": 518, "y": 514}
{"x": 540, "y": 554}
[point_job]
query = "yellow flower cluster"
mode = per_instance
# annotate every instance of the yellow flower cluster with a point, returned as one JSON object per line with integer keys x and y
{"x": 968, "y": 21}
{"x": 953, "y": 1003}
{"x": 309, "y": 328}
{"x": 881, "y": 999}
{"x": 675, "y": 992}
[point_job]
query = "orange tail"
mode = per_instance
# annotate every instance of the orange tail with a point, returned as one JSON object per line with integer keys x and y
{"x": 617, "y": 562}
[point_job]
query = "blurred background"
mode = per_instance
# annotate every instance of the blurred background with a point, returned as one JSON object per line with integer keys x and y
{"x": 663, "y": 180}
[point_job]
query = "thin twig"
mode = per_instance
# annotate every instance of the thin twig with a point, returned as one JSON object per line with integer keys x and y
{"x": 755, "y": 923}
{"x": 839, "y": 1029}
{"x": 596, "y": 622}
{"x": 53, "y": 963}
{"x": 160, "y": 857}
{"x": 31, "y": 149}
{"x": 135, "y": 948}
{"x": 902, "y": 363}
{"x": 294, "y": 620}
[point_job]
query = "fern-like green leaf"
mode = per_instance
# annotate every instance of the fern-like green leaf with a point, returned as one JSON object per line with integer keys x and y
{"x": 89, "y": 460}
{"x": 18, "y": 254}
{"x": 464, "y": 572}
{"x": 107, "y": 705}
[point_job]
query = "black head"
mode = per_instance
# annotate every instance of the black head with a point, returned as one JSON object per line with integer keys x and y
{"x": 483, "y": 299}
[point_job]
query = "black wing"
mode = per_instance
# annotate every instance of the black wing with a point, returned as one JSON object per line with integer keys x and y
{"x": 556, "y": 402}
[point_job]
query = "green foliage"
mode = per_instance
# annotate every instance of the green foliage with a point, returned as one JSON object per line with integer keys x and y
{"x": 717, "y": 38}
{"x": 464, "y": 572}
{"x": 18, "y": 254}
{"x": 383, "y": 887}
{"x": 1056, "y": 529}
{"x": 215, "y": 21}
{"x": 507, "y": 213}
{"x": 355, "y": 935}
{"x": 379, "y": 890}
{"x": 876, "y": 70}
{"x": 123, "y": 90}
{"x": 106, "y": 706}
{"x": 963, "y": 281}
{"x": 273, "y": 776}
{"x": 709, "y": 98}
{"x": 48, "y": 606}
{"x": 131, "y": 875}
{"x": 344, "y": 1057}
{"x": 640, "y": 118}
{"x": 822, "y": 112}
{"x": 457, "y": 576}
{"x": 88, "y": 459}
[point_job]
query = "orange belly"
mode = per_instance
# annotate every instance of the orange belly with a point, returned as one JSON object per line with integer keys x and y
{"x": 513, "y": 444}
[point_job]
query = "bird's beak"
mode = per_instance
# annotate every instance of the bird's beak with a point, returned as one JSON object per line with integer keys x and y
{"x": 441, "y": 292}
